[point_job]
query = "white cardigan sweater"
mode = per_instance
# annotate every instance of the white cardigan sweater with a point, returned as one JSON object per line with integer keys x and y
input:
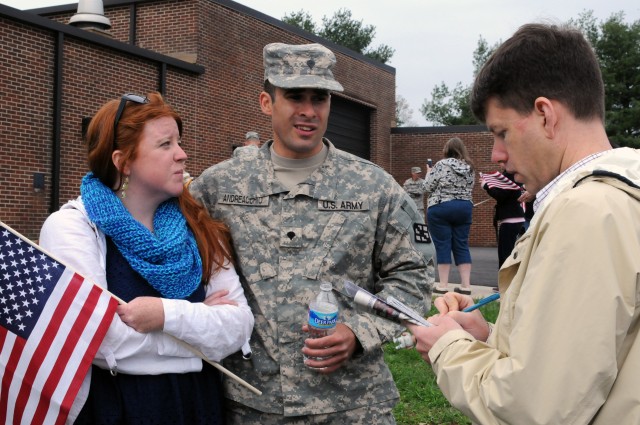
{"x": 217, "y": 331}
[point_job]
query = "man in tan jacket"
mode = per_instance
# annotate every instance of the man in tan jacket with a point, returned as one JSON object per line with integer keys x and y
{"x": 565, "y": 347}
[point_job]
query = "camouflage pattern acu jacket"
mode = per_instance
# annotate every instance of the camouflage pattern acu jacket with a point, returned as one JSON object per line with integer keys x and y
{"x": 349, "y": 220}
{"x": 415, "y": 189}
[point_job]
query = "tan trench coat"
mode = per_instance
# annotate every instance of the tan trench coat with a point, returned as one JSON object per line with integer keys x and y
{"x": 565, "y": 348}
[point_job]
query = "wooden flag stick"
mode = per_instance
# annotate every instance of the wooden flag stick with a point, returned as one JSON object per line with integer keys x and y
{"x": 218, "y": 366}
{"x": 194, "y": 350}
{"x": 482, "y": 202}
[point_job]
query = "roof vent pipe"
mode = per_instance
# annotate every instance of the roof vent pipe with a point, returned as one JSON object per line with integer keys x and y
{"x": 90, "y": 15}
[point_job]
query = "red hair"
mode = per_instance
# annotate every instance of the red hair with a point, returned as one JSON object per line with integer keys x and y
{"x": 212, "y": 236}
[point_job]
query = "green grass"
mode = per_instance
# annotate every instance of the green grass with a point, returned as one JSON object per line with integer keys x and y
{"x": 421, "y": 401}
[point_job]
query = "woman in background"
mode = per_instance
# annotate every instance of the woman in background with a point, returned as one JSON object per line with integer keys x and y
{"x": 508, "y": 217}
{"x": 136, "y": 232}
{"x": 449, "y": 210}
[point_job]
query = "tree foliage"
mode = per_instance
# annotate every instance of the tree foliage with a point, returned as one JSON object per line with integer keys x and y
{"x": 617, "y": 46}
{"x": 448, "y": 106}
{"x": 344, "y": 30}
{"x": 482, "y": 53}
{"x": 404, "y": 113}
{"x": 451, "y": 106}
{"x": 301, "y": 19}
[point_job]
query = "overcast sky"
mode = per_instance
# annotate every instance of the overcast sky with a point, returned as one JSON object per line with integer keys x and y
{"x": 433, "y": 40}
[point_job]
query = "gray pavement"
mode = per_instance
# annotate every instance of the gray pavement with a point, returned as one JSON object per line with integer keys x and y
{"x": 484, "y": 272}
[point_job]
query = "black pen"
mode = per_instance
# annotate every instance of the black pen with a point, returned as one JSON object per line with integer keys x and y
{"x": 482, "y": 302}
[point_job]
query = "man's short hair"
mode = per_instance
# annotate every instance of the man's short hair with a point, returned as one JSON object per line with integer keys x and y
{"x": 270, "y": 89}
{"x": 542, "y": 60}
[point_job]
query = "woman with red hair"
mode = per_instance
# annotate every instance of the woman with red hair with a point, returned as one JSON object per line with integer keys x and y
{"x": 135, "y": 231}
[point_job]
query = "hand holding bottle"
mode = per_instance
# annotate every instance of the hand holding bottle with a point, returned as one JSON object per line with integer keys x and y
{"x": 330, "y": 344}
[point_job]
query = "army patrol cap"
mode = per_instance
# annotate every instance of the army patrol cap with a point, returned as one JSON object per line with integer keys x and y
{"x": 301, "y": 66}
{"x": 417, "y": 170}
{"x": 251, "y": 135}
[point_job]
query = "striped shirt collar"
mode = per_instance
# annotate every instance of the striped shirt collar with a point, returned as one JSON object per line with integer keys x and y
{"x": 542, "y": 193}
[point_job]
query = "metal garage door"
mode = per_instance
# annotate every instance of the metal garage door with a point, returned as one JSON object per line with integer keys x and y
{"x": 348, "y": 127}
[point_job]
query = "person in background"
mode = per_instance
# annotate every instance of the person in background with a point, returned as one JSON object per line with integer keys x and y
{"x": 508, "y": 216}
{"x": 302, "y": 212}
{"x": 252, "y": 139}
{"x": 137, "y": 233}
{"x": 566, "y": 344}
{"x": 414, "y": 186}
{"x": 186, "y": 178}
{"x": 528, "y": 199}
{"x": 251, "y": 143}
{"x": 449, "y": 214}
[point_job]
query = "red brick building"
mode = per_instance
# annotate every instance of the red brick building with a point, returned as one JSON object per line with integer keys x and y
{"x": 205, "y": 57}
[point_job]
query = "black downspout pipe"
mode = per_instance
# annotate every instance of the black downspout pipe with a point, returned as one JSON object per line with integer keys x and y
{"x": 57, "y": 122}
{"x": 162, "y": 83}
{"x": 133, "y": 22}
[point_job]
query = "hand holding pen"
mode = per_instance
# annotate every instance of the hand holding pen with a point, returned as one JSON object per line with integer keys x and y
{"x": 451, "y": 318}
{"x": 482, "y": 302}
{"x": 461, "y": 308}
{"x": 450, "y": 305}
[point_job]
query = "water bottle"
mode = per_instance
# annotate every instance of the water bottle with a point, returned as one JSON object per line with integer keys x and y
{"x": 323, "y": 314}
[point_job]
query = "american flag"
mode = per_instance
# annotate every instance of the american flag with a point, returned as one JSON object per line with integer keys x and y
{"x": 499, "y": 180}
{"x": 52, "y": 322}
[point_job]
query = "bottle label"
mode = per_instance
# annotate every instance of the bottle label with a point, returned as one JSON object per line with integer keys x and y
{"x": 320, "y": 320}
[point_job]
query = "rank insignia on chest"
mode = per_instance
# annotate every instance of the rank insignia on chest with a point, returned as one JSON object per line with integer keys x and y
{"x": 421, "y": 233}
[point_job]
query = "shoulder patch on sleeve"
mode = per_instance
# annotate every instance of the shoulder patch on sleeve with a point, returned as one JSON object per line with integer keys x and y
{"x": 421, "y": 233}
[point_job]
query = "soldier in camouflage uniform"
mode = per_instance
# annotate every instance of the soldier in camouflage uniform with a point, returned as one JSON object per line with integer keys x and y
{"x": 300, "y": 212}
{"x": 415, "y": 188}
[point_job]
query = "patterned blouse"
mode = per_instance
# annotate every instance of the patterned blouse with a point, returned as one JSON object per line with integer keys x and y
{"x": 449, "y": 179}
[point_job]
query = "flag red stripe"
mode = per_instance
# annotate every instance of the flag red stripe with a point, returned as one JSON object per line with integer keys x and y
{"x": 3, "y": 338}
{"x": 107, "y": 318}
{"x": 7, "y": 377}
{"x": 44, "y": 363}
{"x": 66, "y": 351}
{"x": 3, "y": 335}
{"x": 40, "y": 352}
{"x": 498, "y": 180}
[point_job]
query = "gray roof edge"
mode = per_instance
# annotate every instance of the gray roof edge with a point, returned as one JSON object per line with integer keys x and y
{"x": 242, "y": 9}
{"x": 32, "y": 18}
{"x": 440, "y": 129}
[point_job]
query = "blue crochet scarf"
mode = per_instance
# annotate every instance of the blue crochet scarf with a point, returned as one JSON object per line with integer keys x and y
{"x": 169, "y": 259}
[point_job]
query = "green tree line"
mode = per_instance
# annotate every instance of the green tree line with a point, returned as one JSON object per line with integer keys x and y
{"x": 617, "y": 46}
{"x": 344, "y": 30}
{"x": 615, "y": 42}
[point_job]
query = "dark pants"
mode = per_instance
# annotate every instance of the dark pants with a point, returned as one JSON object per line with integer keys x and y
{"x": 507, "y": 235}
{"x": 377, "y": 414}
{"x": 449, "y": 225}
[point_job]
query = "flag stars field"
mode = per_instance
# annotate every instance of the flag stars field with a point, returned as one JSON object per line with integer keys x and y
{"x": 42, "y": 303}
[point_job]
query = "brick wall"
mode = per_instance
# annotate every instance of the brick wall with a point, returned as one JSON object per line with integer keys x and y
{"x": 412, "y": 147}
{"x": 92, "y": 74}
{"x": 229, "y": 43}
{"x": 218, "y": 107}
{"x": 26, "y": 72}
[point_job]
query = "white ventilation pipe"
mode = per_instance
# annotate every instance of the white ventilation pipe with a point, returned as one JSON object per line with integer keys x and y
{"x": 90, "y": 13}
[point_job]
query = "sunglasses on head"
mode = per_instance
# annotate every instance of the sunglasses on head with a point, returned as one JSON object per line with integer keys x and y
{"x": 129, "y": 97}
